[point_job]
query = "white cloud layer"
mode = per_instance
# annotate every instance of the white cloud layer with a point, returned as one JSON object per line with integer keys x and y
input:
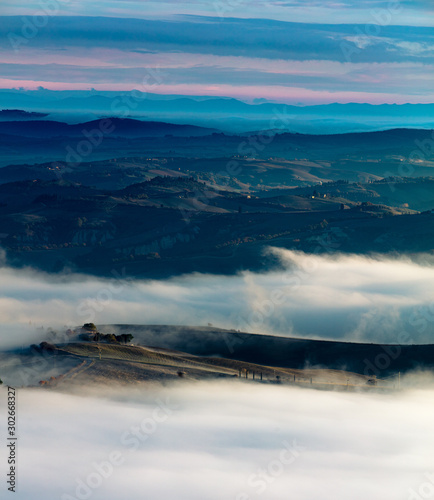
{"x": 231, "y": 441}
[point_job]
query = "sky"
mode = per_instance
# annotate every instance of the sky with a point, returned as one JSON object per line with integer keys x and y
{"x": 299, "y": 52}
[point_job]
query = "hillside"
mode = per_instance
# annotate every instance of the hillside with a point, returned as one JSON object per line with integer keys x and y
{"x": 171, "y": 225}
{"x": 212, "y": 203}
{"x": 391, "y": 152}
{"x": 76, "y": 365}
{"x": 163, "y": 353}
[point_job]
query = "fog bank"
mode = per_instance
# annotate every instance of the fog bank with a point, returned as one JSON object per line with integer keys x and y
{"x": 223, "y": 440}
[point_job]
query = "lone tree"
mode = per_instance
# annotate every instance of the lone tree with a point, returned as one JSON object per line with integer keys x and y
{"x": 89, "y": 326}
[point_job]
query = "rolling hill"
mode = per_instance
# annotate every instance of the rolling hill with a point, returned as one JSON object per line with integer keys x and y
{"x": 164, "y": 353}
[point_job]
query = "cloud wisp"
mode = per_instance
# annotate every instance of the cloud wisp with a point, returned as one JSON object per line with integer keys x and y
{"x": 206, "y": 55}
{"x": 339, "y": 297}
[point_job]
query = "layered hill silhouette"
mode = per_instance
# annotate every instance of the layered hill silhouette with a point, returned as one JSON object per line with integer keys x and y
{"x": 225, "y": 113}
{"x": 108, "y": 126}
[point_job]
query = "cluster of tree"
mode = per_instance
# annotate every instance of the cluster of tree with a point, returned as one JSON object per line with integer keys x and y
{"x": 124, "y": 338}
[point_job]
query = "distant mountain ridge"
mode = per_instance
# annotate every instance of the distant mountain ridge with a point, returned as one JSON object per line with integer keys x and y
{"x": 225, "y": 113}
{"x": 205, "y": 104}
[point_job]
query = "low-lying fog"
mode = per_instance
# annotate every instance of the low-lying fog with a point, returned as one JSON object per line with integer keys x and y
{"x": 224, "y": 441}
{"x": 336, "y": 297}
